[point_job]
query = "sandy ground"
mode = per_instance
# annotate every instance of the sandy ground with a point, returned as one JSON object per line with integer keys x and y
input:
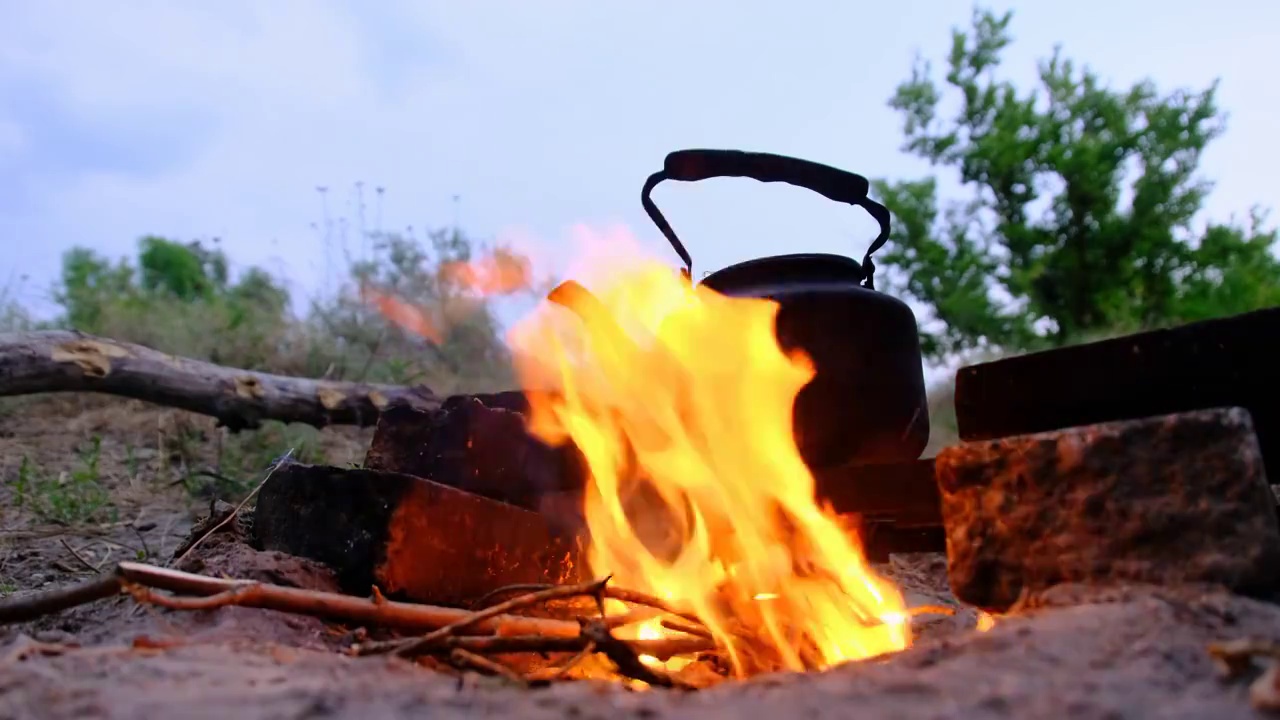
{"x": 1133, "y": 653}
{"x": 1082, "y": 653}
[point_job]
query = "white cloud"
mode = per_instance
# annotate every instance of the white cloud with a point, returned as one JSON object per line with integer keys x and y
{"x": 198, "y": 119}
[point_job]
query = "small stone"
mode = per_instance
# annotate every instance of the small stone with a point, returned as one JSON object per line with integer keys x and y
{"x": 1173, "y": 499}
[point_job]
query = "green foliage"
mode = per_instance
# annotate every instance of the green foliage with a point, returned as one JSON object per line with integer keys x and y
{"x": 466, "y": 351}
{"x": 90, "y": 285}
{"x": 67, "y": 498}
{"x": 1081, "y": 208}
{"x": 244, "y": 458}
{"x": 186, "y": 272}
{"x": 182, "y": 298}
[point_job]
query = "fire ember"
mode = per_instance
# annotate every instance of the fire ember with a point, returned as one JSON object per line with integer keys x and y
{"x": 642, "y": 512}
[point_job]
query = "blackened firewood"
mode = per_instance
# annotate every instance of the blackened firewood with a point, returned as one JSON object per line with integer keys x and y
{"x": 407, "y": 535}
{"x": 477, "y": 443}
{"x": 1229, "y": 362}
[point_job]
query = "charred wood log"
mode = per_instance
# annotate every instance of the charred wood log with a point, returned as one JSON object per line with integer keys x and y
{"x": 68, "y": 361}
{"x": 480, "y": 444}
{"x": 410, "y": 537}
{"x": 1226, "y": 362}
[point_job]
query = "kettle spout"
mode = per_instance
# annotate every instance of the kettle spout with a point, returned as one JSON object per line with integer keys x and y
{"x": 572, "y": 295}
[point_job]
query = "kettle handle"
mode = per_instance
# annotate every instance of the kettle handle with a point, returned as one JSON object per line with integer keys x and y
{"x": 833, "y": 183}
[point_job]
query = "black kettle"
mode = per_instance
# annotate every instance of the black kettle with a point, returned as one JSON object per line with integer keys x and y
{"x": 866, "y": 402}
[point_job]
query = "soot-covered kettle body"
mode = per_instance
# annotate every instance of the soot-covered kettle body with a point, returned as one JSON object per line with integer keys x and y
{"x": 866, "y": 402}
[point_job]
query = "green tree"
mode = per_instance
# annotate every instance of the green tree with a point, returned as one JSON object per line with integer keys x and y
{"x": 186, "y": 271}
{"x": 465, "y": 348}
{"x": 89, "y": 282}
{"x": 177, "y": 297}
{"x": 1081, "y": 205}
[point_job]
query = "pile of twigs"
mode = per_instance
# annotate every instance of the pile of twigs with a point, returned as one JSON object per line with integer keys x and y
{"x": 467, "y": 639}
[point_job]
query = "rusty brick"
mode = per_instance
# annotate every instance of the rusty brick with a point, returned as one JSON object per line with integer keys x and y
{"x": 1225, "y": 362}
{"x": 1171, "y": 499}
{"x": 410, "y": 537}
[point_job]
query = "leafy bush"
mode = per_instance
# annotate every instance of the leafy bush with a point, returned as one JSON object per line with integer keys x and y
{"x": 181, "y": 298}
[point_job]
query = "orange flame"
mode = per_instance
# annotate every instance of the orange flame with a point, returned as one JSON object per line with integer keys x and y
{"x": 398, "y": 312}
{"x": 985, "y": 622}
{"x": 498, "y": 272}
{"x": 680, "y": 400}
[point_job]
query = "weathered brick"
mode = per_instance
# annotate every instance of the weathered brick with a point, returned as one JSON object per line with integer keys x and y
{"x": 1171, "y": 499}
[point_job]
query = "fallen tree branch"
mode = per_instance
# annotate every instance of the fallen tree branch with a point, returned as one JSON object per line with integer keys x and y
{"x": 51, "y": 361}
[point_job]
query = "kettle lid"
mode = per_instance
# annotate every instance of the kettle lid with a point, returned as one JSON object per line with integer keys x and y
{"x": 796, "y": 268}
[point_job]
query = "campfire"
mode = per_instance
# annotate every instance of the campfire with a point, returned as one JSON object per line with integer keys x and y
{"x": 666, "y": 502}
{"x": 680, "y": 400}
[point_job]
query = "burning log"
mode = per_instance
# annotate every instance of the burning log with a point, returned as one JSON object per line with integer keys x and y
{"x": 479, "y": 443}
{"x": 67, "y": 361}
{"x": 476, "y": 443}
{"x": 407, "y": 535}
{"x": 1174, "y": 499}
{"x": 1217, "y": 363}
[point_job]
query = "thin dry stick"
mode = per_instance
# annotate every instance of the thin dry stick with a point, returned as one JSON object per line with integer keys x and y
{"x": 638, "y": 615}
{"x": 29, "y": 606}
{"x": 681, "y": 625}
{"x": 76, "y": 554}
{"x": 639, "y": 598}
{"x": 624, "y": 657}
{"x": 660, "y": 648}
{"x": 559, "y": 673}
{"x": 466, "y": 659}
{"x": 416, "y": 645}
{"x": 232, "y": 516}
{"x": 409, "y": 617}
{"x": 520, "y": 588}
{"x": 575, "y": 661}
{"x": 629, "y": 596}
{"x": 147, "y": 596}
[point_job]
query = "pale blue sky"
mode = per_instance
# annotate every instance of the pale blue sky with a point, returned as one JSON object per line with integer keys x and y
{"x": 220, "y": 119}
